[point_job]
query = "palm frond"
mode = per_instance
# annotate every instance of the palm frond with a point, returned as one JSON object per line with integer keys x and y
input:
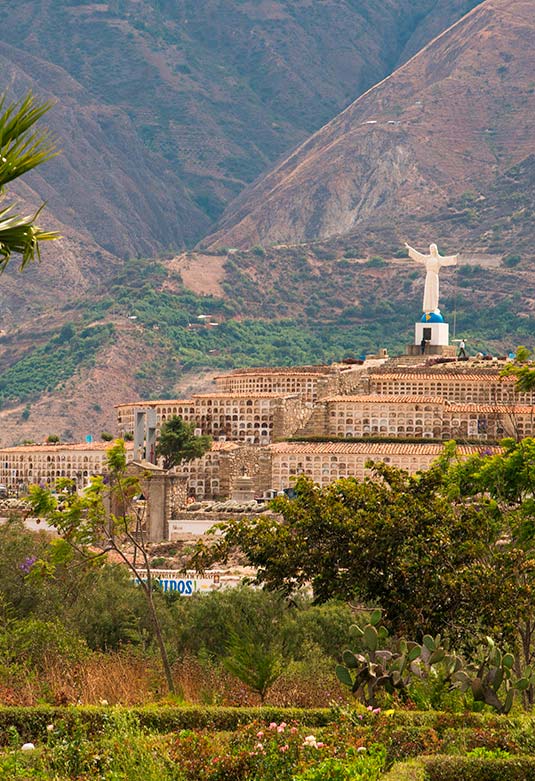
{"x": 23, "y": 154}
{"x": 20, "y": 151}
{"x": 16, "y": 118}
{"x": 21, "y": 236}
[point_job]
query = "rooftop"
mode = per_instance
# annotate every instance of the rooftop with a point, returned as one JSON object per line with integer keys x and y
{"x": 373, "y": 448}
{"x": 153, "y": 403}
{"x": 232, "y": 395}
{"x": 377, "y": 398}
{"x": 441, "y": 376}
{"x": 48, "y": 447}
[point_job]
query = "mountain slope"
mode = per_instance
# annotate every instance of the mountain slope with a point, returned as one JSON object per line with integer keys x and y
{"x": 167, "y": 109}
{"x": 104, "y": 187}
{"x": 450, "y": 121}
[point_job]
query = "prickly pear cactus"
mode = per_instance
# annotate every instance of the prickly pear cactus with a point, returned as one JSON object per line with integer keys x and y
{"x": 371, "y": 666}
{"x": 492, "y": 680}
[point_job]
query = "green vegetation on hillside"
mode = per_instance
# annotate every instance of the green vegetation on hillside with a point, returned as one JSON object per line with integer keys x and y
{"x": 45, "y": 367}
{"x": 280, "y": 308}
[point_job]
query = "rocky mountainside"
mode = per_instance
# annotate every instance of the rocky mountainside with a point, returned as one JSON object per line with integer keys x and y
{"x": 426, "y": 147}
{"x": 166, "y": 109}
{"x": 156, "y": 141}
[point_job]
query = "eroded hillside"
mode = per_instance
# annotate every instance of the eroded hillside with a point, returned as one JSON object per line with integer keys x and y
{"x": 449, "y": 123}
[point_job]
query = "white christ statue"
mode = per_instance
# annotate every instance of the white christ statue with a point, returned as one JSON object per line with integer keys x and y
{"x": 433, "y": 263}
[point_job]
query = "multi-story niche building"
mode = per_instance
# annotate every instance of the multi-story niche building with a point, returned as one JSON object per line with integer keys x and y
{"x": 423, "y": 417}
{"x": 307, "y": 382}
{"x": 27, "y": 464}
{"x": 473, "y": 385}
{"x": 252, "y": 418}
{"x": 325, "y": 462}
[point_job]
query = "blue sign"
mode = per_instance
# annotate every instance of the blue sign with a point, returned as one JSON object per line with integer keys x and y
{"x": 89, "y": 438}
{"x": 185, "y": 587}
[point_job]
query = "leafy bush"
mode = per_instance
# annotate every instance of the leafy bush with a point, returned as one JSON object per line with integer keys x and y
{"x": 478, "y": 769}
{"x": 367, "y": 765}
{"x": 31, "y": 723}
{"x": 376, "y": 262}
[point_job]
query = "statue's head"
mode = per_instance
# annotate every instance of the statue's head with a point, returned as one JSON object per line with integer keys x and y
{"x": 433, "y": 249}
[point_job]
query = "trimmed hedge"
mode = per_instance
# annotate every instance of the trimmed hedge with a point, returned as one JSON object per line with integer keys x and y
{"x": 479, "y": 769}
{"x": 31, "y": 722}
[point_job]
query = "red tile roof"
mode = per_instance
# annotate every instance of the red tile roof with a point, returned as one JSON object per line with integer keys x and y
{"x": 231, "y": 395}
{"x": 498, "y": 409}
{"x": 378, "y": 398}
{"x": 277, "y": 370}
{"x": 371, "y": 448}
{"x": 442, "y": 377}
{"x": 62, "y": 448}
{"x": 152, "y": 403}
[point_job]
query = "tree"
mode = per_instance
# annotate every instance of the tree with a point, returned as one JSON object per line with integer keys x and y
{"x": 506, "y": 482}
{"x": 21, "y": 149}
{"x": 395, "y": 540}
{"x": 178, "y": 443}
{"x": 104, "y": 518}
{"x": 255, "y": 663}
{"x": 450, "y": 550}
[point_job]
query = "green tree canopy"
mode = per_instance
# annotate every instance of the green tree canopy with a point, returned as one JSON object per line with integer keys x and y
{"x": 21, "y": 149}
{"x": 178, "y": 443}
{"x": 396, "y": 540}
{"x": 449, "y": 550}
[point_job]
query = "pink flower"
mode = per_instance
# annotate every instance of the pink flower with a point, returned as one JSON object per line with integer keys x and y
{"x": 293, "y": 730}
{"x": 376, "y": 711}
{"x": 273, "y": 725}
{"x": 280, "y": 728}
{"x": 369, "y": 707}
{"x": 284, "y": 748}
{"x": 319, "y": 744}
{"x": 260, "y": 734}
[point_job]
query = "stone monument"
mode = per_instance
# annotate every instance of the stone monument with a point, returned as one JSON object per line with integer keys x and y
{"x": 431, "y": 332}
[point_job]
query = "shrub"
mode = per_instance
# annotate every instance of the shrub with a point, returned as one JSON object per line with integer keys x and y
{"x": 322, "y": 253}
{"x": 31, "y": 723}
{"x": 479, "y": 769}
{"x": 365, "y": 766}
{"x": 509, "y": 261}
{"x": 376, "y": 262}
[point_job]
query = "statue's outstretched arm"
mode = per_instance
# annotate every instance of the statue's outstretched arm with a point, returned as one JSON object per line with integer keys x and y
{"x": 449, "y": 260}
{"x": 415, "y": 255}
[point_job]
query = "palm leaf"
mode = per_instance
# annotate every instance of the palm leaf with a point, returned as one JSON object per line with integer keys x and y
{"x": 20, "y": 151}
{"x": 20, "y": 235}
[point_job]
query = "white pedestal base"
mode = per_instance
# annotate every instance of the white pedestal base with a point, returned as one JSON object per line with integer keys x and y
{"x": 435, "y": 334}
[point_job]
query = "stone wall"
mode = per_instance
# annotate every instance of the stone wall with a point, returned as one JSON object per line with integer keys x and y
{"x": 290, "y": 415}
{"x": 214, "y": 475}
